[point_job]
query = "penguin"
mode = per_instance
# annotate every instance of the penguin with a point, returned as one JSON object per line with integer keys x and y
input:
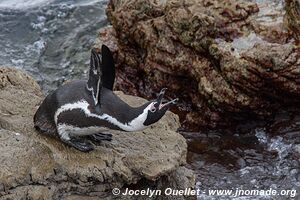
{"x": 82, "y": 113}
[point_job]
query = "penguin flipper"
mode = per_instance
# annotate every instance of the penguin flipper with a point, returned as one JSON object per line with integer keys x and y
{"x": 108, "y": 68}
{"x": 94, "y": 83}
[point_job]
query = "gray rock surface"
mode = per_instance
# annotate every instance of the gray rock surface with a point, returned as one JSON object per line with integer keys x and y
{"x": 35, "y": 166}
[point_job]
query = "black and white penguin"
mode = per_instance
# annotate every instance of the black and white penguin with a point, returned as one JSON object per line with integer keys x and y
{"x": 83, "y": 111}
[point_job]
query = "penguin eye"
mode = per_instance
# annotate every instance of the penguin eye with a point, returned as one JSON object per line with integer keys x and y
{"x": 153, "y": 109}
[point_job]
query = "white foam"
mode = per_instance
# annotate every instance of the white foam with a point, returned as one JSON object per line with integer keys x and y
{"x": 17, "y": 62}
{"x": 38, "y": 46}
{"x": 22, "y": 4}
{"x": 261, "y": 135}
{"x": 283, "y": 149}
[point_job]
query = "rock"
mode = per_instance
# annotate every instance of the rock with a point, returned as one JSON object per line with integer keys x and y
{"x": 227, "y": 61}
{"x": 292, "y": 18}
{"x": 20, "y": 95}
{"x": 34, "y": 166}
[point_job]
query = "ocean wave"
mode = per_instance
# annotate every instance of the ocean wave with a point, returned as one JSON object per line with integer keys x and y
{"x": 22, "y": 4}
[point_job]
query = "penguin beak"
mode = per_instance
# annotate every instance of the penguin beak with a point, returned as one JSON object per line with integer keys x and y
{"x": 159, "y": 100}
{"x": 169, "y": 103}
{"x": 160, "y": 97}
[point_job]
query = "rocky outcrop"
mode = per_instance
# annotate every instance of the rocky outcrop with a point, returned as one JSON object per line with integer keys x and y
{"x": 226, "y": 61}
{"x": 34, "y": 166}
{"x": 292, "y": 18}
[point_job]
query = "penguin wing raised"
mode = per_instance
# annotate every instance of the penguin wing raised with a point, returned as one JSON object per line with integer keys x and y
{"x": 108, "y": 68}
{"x": 102, "y": 72}
{"x": 94, "y": 83}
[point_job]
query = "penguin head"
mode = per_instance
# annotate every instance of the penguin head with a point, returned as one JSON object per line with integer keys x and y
{"x": 156, "y": 109}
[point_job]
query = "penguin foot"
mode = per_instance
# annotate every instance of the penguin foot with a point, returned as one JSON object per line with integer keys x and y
{"x": 98, "y": 137}
{"x": 80, "y": 144}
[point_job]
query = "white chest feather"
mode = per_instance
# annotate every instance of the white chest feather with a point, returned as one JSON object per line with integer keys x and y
{"x": 70, "y": 130}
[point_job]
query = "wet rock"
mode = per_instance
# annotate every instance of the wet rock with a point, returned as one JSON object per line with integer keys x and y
{"x": 34, "y": 166}
{"x": 226, "y": 61}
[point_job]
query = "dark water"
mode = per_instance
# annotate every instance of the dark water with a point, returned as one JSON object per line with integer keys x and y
{"x": 260, "y": 159}
{"x": 51, "y": 40}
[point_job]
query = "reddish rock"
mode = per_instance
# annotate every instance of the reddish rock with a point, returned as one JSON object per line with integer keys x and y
{"x": 226, "y": 61}
{"x": 292, "y": 18}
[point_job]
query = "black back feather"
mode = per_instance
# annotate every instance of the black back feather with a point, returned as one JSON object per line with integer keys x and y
{"x": 108, "y": 68}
